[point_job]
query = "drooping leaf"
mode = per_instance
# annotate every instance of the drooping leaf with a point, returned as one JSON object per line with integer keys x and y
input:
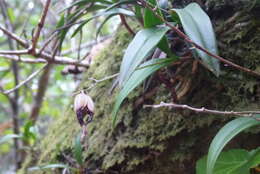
{"x": 103, "y": 23}
{"x": 198, "y": 27}
{"x": 77, "y": 151}
{"x": 226, "y": 133}
{"x": 114, "y": 11}
{"x": 140, "y": 47}
{"x": 8, "y": 137}
{"x": 138, "y": 76}
{"x": 151, "y": 20}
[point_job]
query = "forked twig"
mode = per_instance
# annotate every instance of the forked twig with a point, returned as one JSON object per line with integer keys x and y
{"x": 204, "y": 110}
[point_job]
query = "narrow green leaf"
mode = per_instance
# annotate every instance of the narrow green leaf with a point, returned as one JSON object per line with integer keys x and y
{"x": 114, "y": 11}
{"x": 150, "y": 20}
{"x": 77, "y": 151}
{"x": 198, "y": 27}
{"x": 8, "y": 137}
{"x": 48, "y": 166}
{"x": 103, "y": 23}
{"x": 138, "y": 12}
{"x": 139, "y": 75}
{"x": 226, "y": 133}
{"x": 140, "y": 47}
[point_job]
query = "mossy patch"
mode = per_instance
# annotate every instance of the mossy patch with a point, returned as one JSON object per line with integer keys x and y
{"x": 149, "y": 140}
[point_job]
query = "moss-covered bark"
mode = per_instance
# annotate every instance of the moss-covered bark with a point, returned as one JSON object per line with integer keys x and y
{"x": 161, "y": 140}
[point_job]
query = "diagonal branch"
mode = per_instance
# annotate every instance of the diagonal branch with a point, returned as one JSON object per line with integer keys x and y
{"x": 14, "y": 37}
{"x": 58, "y": 60}
{"x": 40, "y": 25}
{"x": 29, "y": 78}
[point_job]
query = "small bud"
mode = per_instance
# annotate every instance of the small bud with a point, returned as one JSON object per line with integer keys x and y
{"x": 83, "y": 105}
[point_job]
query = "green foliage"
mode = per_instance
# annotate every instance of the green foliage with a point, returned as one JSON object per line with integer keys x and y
{"x": 109, "y": 13}
{"x": 48, "y": 166}
{"x": 198, "y": 27}
{"x": 77, "y": 151}
{"x": 225, "y": 134}
{"x": 140, "y": 47}
{"x": 235, "y": 161}
{"x": 138, "y": 76}
{"x": 8, "y": 137}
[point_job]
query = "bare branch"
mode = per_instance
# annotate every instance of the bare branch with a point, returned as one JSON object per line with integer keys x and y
{"x": 204, "y": 110}
{"x": 58, "y": 60}
{"x": 42, "y": 87}
{"x": 14, "y": 37}
{"x": 14, "y": 52}
{"x": 86, "y": 45}
{"x": 187, "y": 39}
{"x": 29, "y": 78}
{"x": 40, "y": 24}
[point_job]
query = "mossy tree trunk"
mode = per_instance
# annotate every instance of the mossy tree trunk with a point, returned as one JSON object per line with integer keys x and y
{"x": 164, "y": 140}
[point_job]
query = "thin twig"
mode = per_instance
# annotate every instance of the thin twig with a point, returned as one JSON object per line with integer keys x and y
{"x": 14, "y": 52}
{"x": 40, "y": 24}
{"x": 122, "y": 18}
{"x": 28, "y": 79}
{"x": 86, "y": 45}
{"x": 42, "y": 87}
{"x": 46, "y": 43}
{"x": 204, "y": 110}
{"x": 44, "y": 58}
{"x": 186, "y": 38}
{"x": 14, "y": 37}
{"x": 101, "y": 80}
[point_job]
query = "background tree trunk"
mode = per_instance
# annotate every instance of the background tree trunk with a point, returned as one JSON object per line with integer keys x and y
{"x": 164, "y": 140}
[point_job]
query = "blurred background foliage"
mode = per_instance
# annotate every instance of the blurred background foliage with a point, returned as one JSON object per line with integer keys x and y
{"x": 24, "y": 16}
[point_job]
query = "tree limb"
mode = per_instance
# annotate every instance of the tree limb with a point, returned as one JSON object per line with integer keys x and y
{"x": 204, "y": 110}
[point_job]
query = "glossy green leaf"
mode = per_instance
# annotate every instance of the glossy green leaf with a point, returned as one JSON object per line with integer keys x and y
{"x": 198, "y": 27}
{"x": 235, "y": 161}
{"x": 8, "y": 137}
{"x": 228, "y": 162}
{"x": 140, "y": 47}
{"x": 226, "y": 133}
{"x": 103, "y": 23}
{"x": 77, "y": 151}
{"x": 48, "y": 166}
{"x": 151, "y": 20}
{"x": 254, "y": 160}
{"x": 114, "y": 11}
{"x": 139, "y": 75}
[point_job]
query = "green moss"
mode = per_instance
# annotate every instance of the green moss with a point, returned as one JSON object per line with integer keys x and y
{"x": 144, "y": 140}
